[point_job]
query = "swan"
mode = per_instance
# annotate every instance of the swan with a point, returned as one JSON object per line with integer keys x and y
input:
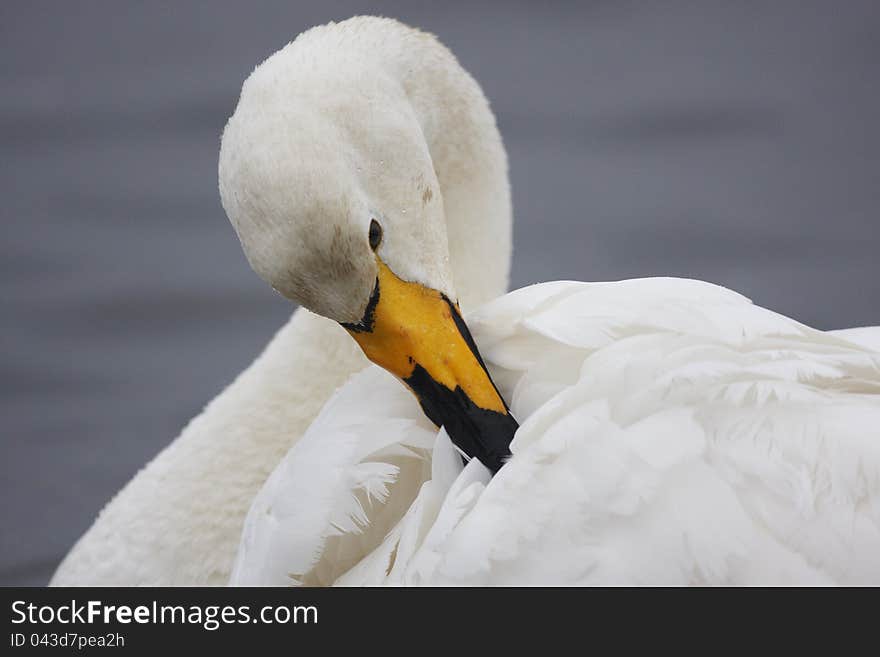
{"x": 658, "y": 430}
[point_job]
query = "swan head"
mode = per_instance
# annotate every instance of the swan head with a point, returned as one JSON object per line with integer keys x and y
{"x": 319, "y": 195}
{"x": 328, "y": 181}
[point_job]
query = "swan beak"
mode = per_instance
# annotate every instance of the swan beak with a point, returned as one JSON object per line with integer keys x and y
{"x": 418, "y": 334}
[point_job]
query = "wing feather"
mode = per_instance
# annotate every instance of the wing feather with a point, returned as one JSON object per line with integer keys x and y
{"x": 671, "y": 433}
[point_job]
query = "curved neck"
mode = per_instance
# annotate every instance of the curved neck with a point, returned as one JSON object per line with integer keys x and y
{"x": 465, "y": 145}
{"x": 471, "y": 167}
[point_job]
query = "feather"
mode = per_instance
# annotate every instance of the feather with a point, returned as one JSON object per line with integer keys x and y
{"x": 671, "y": 433}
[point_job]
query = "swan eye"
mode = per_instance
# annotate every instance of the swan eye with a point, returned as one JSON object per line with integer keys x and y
{"x": 375, "y": 234}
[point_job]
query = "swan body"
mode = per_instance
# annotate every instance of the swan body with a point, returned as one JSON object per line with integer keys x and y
{"x": 670, "y": 431}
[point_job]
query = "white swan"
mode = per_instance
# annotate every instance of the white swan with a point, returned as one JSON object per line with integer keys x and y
{"x": 671, "y": 431}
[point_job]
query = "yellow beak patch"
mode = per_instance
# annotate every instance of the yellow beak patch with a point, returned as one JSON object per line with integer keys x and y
{"x": 417, "y": 334}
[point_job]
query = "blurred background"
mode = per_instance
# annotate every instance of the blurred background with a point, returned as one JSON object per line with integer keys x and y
{"x": 732, "y": 142}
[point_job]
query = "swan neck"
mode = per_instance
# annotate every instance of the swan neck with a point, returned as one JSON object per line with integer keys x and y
{"x": 470, "y": 163}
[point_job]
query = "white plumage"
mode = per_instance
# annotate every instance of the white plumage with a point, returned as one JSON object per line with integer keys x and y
{"x": 672, "y": 433}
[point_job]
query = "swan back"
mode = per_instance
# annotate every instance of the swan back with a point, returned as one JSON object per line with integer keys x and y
{"x": 672, "y": 433}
